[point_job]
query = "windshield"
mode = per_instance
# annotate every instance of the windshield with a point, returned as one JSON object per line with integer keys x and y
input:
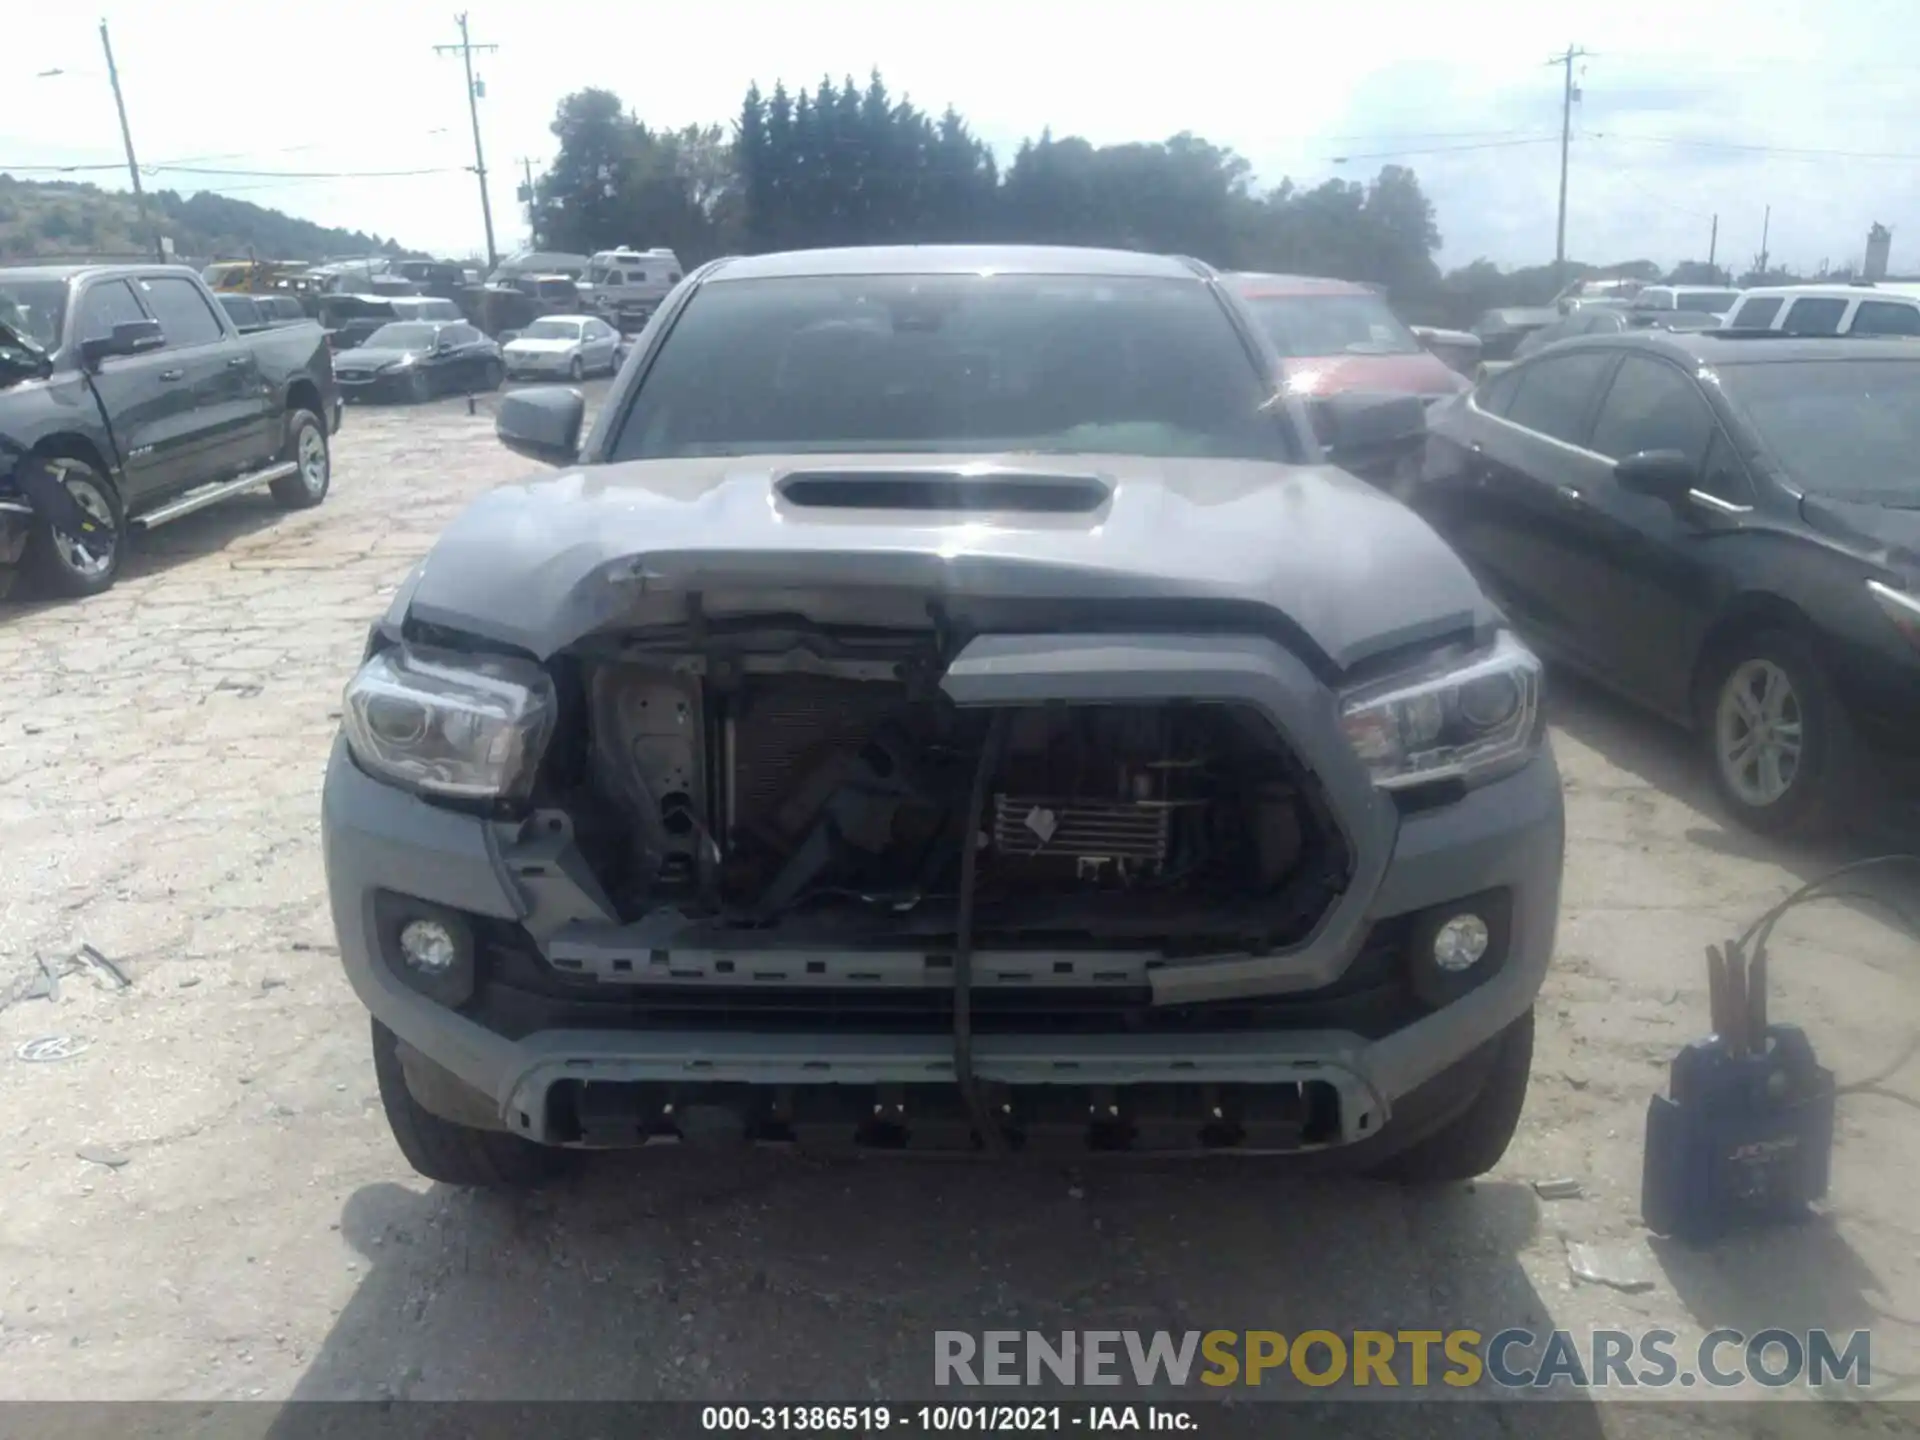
{"x": 552, "y": 330}
{"x": 1314, "y": 326}
{"x": 1707, "y": 302}
{"x": 402, "y": 337}
{"x": 34, "y": 309}
{"x": 1847, "y": 428}
{"x": 952, "y": 363}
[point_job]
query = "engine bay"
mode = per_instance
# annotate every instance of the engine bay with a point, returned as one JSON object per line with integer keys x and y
{"x": 796, "y": 802}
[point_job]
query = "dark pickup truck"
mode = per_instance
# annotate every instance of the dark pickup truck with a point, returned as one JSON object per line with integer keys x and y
{"x": 128, "y": 398}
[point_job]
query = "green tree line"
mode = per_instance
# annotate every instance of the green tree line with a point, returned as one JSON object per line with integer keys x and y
{"x": 60, "y": 217}
{"x": 852, "y": 164}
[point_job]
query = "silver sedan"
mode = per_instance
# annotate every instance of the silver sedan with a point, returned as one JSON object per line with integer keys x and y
{"x": 569, "y": 347}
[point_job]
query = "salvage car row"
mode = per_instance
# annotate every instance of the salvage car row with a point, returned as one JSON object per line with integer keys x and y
{"x": 133, "y": 395}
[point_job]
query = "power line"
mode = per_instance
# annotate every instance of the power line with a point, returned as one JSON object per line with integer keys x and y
{"x": 1443, "y": 149}
{"x": 1786, "y": 151}
{"x": 465, "y": 49}
{"x": 309, "y": 174}
{"x": 151, "y": 170}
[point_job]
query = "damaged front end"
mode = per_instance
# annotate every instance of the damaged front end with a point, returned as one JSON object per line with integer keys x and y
{"x": 763, "y": 854}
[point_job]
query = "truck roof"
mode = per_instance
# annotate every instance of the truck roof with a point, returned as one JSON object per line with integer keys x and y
{"x": 955, "y": 260}
{"x": 71, "y": 270}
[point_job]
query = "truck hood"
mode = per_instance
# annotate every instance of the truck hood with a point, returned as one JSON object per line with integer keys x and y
{"x": 1421, "y": 374}
{"x": 535, "y": 566}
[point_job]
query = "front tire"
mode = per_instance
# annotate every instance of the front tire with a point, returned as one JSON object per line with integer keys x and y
{"x": 453, "y": 1154}
{"x": 419, "y": 387}
{"x": 70, "y": 567}
{"x": 1472, "y": 1142}
{"x": 577, "y": 371}
{"x": 306, "y": 448}
{"x": 1778, "y": 742}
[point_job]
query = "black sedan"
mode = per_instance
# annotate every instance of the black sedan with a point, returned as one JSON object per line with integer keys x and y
{"x": 1724, "y": 527}
{"x": 419, "y": 359}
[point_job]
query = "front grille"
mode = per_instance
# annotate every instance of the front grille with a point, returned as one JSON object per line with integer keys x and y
{"x": 519, "y": 994}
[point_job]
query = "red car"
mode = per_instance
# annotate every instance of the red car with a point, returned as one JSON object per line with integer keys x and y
{"x": 1336, "y": 335}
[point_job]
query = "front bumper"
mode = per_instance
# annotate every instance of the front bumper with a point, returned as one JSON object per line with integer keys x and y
{"x": 522, "y": 367}
{"x": 1504, "y": 836}
{"x": 377, "y": 385}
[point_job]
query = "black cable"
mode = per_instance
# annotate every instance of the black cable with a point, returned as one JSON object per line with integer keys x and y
{"x": 1761, "y": 930}
{"x": 1764, "y": 925}
{"x": 983, "y": 1120}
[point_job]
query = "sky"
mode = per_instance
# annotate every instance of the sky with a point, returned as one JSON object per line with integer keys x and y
{"x": 1687, "y": 111}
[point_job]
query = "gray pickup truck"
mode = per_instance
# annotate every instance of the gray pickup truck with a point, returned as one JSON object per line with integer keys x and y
{"x": 129, "y": 398}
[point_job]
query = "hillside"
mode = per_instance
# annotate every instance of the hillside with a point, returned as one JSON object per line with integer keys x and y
{"x": 53, "y": 218}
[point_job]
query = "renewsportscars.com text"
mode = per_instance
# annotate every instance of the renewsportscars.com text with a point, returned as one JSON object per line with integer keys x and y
{"x": 1509, "y": 1359}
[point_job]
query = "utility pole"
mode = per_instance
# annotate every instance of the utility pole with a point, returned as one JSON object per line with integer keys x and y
{"x": 1765, "y": 226}
{"x": 1567, "y": 97}
{"x": 1713, "y": 242}
{"x": 533, "y": 207}
{"x": 126, "y": 136}
{"x": 465, "y": 48}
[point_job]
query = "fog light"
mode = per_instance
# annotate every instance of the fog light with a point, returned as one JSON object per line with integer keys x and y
{"x": 429, "y": 947}
{"x": 1460, "y": 942}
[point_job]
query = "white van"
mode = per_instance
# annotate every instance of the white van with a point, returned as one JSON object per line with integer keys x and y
{"x": 537, "y": 262}
{"x": 626, "y": 286}
{"x": 1860, "y": 308}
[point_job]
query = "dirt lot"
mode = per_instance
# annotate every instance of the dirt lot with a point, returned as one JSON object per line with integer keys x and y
{"x": 261, "y": 1237}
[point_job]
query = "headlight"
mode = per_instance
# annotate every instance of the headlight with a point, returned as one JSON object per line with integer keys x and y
{"x": 450, "y": 724}
{"x": 1447, "y": 720}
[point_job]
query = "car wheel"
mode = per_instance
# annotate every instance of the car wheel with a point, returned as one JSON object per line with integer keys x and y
{"x": 453, "y": 1154}
{"x": 419, "y": 387}
{"x": 1472, "y": 1142}
{"x": 1778, "y": 741}
{"x": 72, "y": 567}
{"x": 577, "y": 371}
{"x": 307, "y": 449}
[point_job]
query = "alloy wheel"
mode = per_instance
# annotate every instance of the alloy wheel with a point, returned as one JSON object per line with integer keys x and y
{"x": 1759, "y": 732}
{"x": 91, "y": 555}
{"x": 311, "y": 457}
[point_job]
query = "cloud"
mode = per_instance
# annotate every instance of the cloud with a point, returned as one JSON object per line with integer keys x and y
{"x": 1669, "y": 95}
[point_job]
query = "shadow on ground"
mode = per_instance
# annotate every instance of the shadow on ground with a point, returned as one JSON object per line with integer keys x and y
{"x": 1670, "y": 760}
{"x": 679, "y": 1275}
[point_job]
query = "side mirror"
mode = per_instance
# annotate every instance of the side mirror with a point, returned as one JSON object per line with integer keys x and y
{"x": 542, "y": 423}
{"x": 129, "y": 337}
{"x": 1367, "y": 433}
{"x": 1456, "y": 349}
{"x": 1664, "y": 474}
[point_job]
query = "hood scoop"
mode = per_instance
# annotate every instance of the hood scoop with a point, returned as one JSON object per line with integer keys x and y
{"x": 969, "y": 489}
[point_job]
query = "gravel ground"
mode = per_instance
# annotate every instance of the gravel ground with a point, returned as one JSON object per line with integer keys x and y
{"x": 256, "y": 1235}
